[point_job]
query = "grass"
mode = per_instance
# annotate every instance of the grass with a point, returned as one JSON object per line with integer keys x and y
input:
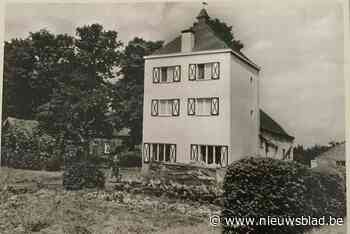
{"x": 47, "y": 208}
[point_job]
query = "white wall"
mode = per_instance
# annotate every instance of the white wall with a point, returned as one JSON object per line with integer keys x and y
{"x": 184, "y": 130}
{"x": 244, "y": 98}
{"x": 280, "y": 142}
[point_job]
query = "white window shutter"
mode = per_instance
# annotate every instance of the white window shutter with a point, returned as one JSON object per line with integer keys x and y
{"x": 156, "y": 75}
{"x": 191, "y": 106}
{"x": 176, "y": 107}
{"x": 215, "y": 71}
{"x": 224, "y": 156}
{"x": 154, "y": 108}
{"x": 177, "y": 74}
{"x": 146, "y": 152}
{"x": 172, "y": 153}
{"x": 215, "y": 106}
{"x": 194, "y": 153}
{"x": 192, "y": 72}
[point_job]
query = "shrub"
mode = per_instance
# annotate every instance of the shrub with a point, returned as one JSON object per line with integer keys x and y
{"x": 131, "y": 159}
{"x": 263, "y": 187}
{"x": 79, "y": 175}
{"x": 35, "y": 151}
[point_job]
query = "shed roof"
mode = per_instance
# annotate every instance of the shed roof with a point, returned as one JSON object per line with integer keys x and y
{"x": 270, "y": 125}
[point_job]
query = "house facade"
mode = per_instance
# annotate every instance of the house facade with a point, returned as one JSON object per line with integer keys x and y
{"x": 201, "y": 101}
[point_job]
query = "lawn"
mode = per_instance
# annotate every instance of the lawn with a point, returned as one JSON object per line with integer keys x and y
{"x": 34, "y": 202}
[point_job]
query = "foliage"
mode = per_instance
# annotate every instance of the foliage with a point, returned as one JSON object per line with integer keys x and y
{"x": 263, "y": 187}
{"x": 128, "y": 91}
{"x": 225, "y": 33}
{"x": 35, "y": 151}
{"x": 83, "y": 174}
{"x": 304, "y": 155}
{"x": 131, "y": 159}
{"x": 31, "y": 66}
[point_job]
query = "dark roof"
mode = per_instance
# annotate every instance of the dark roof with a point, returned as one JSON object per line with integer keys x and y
{"x": 270, "y": 125}
{"x": 203, "y": 14}
{"x": 205, "y": 38}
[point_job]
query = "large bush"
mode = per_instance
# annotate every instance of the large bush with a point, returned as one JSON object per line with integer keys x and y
{"x": 35, "y": 151}
{"x": 79, "y": 175}
{"x": 262, "y": 188}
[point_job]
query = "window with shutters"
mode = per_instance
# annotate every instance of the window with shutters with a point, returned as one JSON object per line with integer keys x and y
{"x": 165, "y": 107}
{"x": 161, "y": 152}
{"x": 203, "y": 106}
{"x": 204, "y": 71}
{"x": 214, "y": 155}
{"x": 167, "y": 74}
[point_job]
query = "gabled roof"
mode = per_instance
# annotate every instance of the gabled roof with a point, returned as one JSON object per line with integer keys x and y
{"x": 270, "y": 125}
{"x": 336, "y": 153}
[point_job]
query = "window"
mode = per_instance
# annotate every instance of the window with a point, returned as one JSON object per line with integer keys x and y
{"x": 203, "y": 106}
{"x": 167, "y": 74}
{"x": 204, "y": 71}
{"x": 340, "y": 163}
{"x": 160, "y": 152}
{"x": 216, "y": 155}
{"x": 251, "y": 80}
{"x": 165, "y": 107}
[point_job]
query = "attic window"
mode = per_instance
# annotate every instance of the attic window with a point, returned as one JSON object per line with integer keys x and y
{"x": 251, "y": 80}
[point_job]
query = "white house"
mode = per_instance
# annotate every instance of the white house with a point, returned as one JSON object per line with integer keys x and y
{"x": 201, "y": 103}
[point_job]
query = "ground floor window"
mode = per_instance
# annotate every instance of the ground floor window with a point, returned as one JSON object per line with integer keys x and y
{"x": 210, "y": 154}
{"x": 159, "y": 152}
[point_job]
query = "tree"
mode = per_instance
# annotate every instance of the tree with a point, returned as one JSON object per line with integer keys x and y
{"x": 224, "y": 32}
{"x": 31, "y": 66}
{"x": 128, "y": 90}
{"x": 78, "y": 110}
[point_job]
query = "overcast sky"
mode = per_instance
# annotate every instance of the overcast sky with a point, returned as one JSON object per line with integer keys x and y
{"x": 298, "y": 44}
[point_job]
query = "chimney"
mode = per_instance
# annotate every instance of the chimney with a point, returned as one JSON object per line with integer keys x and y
{"x": 187, "y": 40}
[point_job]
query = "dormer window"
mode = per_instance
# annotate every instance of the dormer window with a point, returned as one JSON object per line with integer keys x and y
{"x": 204, "y": 71}
{"x": 167, "y": 74}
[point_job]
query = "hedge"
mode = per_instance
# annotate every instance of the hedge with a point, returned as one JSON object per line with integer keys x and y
{"x": 264, "y": 187}
{"x": 84, "y": 174}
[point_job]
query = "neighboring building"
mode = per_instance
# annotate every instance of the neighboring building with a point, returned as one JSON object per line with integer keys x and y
{"x": 201, "y": 103}
{"x": 334, "y": 157}
{"x": 275, "y": 142}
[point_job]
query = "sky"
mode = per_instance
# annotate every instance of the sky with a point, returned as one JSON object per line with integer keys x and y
{"x": 297, "y": 43}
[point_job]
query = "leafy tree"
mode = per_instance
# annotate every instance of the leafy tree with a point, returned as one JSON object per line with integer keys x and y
{"x": 224, "y": 32}
{"x": 78, "y": 108}
{"x": 128, "y": 90}
{"x": 30, "y": 68}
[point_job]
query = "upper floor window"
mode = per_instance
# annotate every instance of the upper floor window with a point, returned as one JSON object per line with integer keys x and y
{"x": 203, "y": 106}
{"x": 165, "y": 107}
{"x": 204, "y": 71}
{"x": 166, "y": 74}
